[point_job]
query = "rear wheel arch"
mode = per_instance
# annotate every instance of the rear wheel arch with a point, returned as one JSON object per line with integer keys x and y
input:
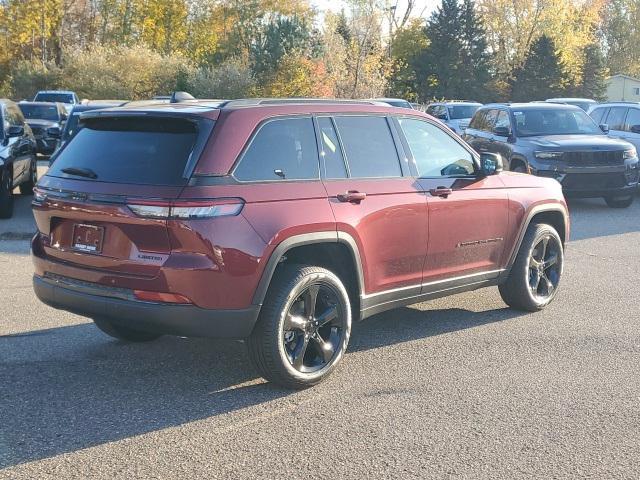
{"x": 337, "y": 252}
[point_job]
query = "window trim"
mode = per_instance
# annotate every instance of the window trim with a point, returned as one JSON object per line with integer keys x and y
{"x": 254, "y": 134}
{"x": 474, "y": 156}
{"x": 624, "y": 117}
{"x": 323, "y": 166}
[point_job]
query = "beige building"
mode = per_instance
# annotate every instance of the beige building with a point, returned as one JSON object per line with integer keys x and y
{"x": 623, "y": 88}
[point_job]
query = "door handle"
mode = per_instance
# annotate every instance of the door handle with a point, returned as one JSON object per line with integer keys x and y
{"x": 352, "y": 196}
{"x": 443, "y": 192}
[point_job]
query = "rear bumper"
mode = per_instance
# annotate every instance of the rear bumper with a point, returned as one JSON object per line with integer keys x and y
{"x": 169, "y": 319}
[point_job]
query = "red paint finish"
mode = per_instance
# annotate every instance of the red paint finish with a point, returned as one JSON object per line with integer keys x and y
{"x": 404, "y": 235}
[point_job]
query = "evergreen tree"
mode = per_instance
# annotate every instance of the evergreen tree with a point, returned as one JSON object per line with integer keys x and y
{"x": 594, "y": 74}
{"x": 456, "y": 63}
{"x": 542, "y": 76}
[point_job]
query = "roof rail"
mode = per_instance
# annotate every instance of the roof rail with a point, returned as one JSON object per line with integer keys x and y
{"x": 247, "y": 102}
{"x": 622, "y": 101}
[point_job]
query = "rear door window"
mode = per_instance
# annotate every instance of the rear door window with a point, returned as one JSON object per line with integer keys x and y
{"x": 633, "y": 120}
{"x": 615, "y": 119}
{"x": 369, "y": 147}
{"x": 129, "y": 150}
{"x": 282, "y": 149}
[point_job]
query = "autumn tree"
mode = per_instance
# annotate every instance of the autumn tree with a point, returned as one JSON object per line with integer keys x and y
{"x": 621, "y": 36}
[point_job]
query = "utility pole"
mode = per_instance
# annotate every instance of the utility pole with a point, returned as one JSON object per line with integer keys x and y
{"x": 42, "y": 34}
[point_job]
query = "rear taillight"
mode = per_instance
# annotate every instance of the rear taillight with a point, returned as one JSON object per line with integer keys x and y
{"x": 186, "y": 209}
{"x": 39, "y": 196}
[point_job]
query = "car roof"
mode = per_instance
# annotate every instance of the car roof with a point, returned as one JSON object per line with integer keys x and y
{"x": 619, "y": 104}
{"x": 68, "y": 92}
{"x": 570, "y": 99}
{"x": 531, "y": 106}
{"x": 456, "y": 102}
{"x": 92, "y": 106}
{"x": 47, "y": 104}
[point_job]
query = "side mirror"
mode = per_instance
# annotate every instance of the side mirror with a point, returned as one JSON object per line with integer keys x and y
{"x": 635, "y": 128}
{"x": 442, "y": 116}
{"x": 502, "y": 131}
{"x": 604, "y": 127}
{"x": 15, "y": 131}
{"x": 490, "y": 164}
{"x": 54, "y": 132}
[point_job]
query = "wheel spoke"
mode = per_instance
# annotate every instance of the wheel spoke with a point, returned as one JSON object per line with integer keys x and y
{"x": 536, "y": 282}
{"x": 310, "y": 300}
{"x": 534, "y": 262}
{"x": 294, "y": 322}
{"x": 548, "y": 285}
{"x": 550, "y": 262}
{"x": 325, "y": 349}
{"x": 327, "y": 316}
{"x": 545, "y": 243}
{"x": 298, "y": 354}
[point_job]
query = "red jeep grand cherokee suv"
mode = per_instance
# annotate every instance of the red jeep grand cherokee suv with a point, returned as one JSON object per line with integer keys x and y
{"x": 281, "y": 221}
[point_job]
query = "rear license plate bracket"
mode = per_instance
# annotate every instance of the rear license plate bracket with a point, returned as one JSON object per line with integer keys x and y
{"x": 87, "y": 238}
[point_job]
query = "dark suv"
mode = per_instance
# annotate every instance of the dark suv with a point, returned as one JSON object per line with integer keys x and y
{"x": 18, "y": 163}
{"x": 46, "y": 121}
{"x": 280, "y": 222}
{"x": 561, "y": 142}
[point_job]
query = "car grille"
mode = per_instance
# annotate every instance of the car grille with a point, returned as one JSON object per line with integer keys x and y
{"x": 593, "y": 159}
{"x": 37, "y": 131}
{"x": 595, "y": 181}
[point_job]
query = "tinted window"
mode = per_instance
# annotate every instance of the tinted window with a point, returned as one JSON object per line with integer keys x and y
{"x": 286, "y": 146}
{"x": 71, "y": 126}
{"x": 615, "y": 119}
{"x": 12, "y": 116}
{"x": 40, "y": 112}
{"x": 462, "y": 111}
{"x": 478, "y": 120}
{"x": 503, "y": 120}
{"x": 598, "y": 114}
{"x": 573, "y": 121}
{"x": 435, "y": 152}
{"x": 330, "y": 150}
{"x": 54, "y": 97}
{"x": 633, "y": 119}
{"x": 130, "y": 150}
{"x": 490, "y": 120}
{"x": 369, "y": 147}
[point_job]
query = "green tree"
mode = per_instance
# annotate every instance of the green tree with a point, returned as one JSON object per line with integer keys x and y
{"x": 406, "y": 46}
{"x": 542, "y": 75}
{"x": 621, "y": 35}
{"x": 456, "y": 63}
{"x": 594, "y": 74}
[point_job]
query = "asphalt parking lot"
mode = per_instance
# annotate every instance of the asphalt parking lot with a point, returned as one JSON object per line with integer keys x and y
{"x": 461, "y": 387}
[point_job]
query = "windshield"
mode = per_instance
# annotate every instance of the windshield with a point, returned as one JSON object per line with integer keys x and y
{"x": 39, "y": 112}
{"x": 457, "y": 112}
{"x": 129, "y": 150}
{"x": 54, "y": 97}
{"x": 532, "y": 122}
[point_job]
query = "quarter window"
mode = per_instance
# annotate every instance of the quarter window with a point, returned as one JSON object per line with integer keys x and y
{"x": 283, "y": 149}
{"x": 435, "y": 152}
{"x": 369, "y": 147}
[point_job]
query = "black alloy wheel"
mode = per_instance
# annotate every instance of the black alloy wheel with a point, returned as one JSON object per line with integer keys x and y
{"x": 313, "y": 328}
{"x": 544, "y": 267}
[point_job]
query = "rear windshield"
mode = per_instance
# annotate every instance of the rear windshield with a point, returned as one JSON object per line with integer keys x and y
{"x": 128, "y": 150}
{"x": 457, "y": 112}
{"x": 39, "y": 112}
{"x": 54, "y": 97}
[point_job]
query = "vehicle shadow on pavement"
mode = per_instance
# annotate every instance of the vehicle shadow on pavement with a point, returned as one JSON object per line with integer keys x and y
{"x": 70, "y": 388}
{"x": 592, "y": 218}
{"x": 407, "y": 324}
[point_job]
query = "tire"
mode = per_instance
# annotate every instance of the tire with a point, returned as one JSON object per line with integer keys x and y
{"x": 285, "y": 346}
{"x": 619, "y": 202}
{"x": 26, "y": 188}
{"x": 519, "y": 168}
{"x": 535, "y": 266}
{"x": 124, "y": 333}
{"x": 6, "y": 194}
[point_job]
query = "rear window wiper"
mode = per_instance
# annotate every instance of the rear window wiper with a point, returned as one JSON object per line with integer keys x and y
{"x": 80, "y": 172}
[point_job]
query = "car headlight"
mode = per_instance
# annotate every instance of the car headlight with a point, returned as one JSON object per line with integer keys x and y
{"x": 545, "y": 155}
{"x": 631, "y": 153}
